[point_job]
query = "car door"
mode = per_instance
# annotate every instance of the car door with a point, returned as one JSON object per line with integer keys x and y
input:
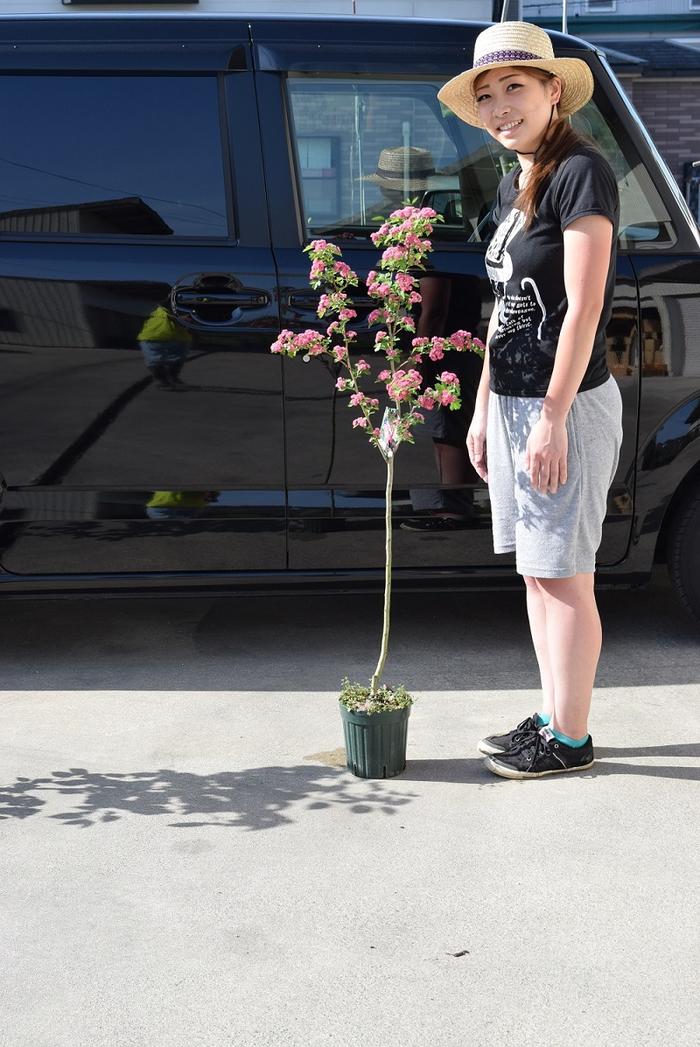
{"x": 355, "y": 115}
{"x": 142, "y": 427}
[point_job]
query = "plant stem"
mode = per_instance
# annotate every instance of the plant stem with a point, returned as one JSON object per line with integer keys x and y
{"x": 387, "y": 577}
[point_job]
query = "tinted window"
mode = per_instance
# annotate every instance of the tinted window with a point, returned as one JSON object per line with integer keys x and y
{"x": 111, "y": 155}
{"x": 365, "y": 147}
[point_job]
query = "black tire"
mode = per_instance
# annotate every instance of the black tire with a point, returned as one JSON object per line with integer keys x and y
{"x": 684, "y": 553}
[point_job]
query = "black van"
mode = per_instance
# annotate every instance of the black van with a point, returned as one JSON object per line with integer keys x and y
{"x": 160, "y": 176}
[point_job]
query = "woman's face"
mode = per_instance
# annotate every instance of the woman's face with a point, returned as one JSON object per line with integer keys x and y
{"x": 515, "y": 106}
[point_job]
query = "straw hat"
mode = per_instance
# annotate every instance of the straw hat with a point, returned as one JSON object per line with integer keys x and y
{"x": 403, "y": 167}
{"x": 516, "y": 43}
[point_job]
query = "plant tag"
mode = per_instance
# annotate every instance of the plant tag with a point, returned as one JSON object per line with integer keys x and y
{"x": 388, "y": 439}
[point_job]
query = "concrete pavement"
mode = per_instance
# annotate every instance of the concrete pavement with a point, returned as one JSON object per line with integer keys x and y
{"x": 185, "y": 860}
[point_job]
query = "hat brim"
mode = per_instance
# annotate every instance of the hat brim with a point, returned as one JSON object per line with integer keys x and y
{"x": 398, "y": 183}
{"x": 577, "y": 86}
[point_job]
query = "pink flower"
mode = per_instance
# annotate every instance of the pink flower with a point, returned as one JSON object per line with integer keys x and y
{"x": 414, "y": 298}
{"x": 356, "y": 399}
{"x": 394, "y": 254}
{"x": 343, "y": 269}
{"x": 360, "y": 423}
{"x": 383, "y": 375}
{"x": 447, "y": 377}
{"x": 461, "y": 339}
{"x": 341, "y": 383}
{"x": 362, "y": 367}
{"x": 436, "y": 353}
{"x": 418, "y": 343}
{"x": 319, "y": 245}
{"x": 347, "y": 314}
{"x": 447, "y": 398}
{"x": 339, "y": 353}
{"x": 405, "y": 281}
{"x": 376, "y": 316}
{"x": 427, "y": 401}
{"x": 284, "y": 343}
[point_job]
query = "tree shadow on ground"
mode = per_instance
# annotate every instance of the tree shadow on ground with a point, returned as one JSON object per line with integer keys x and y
{"x": 270, "y": 797}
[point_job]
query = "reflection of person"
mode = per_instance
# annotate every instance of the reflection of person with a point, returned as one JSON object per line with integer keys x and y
{"x": 547, "y": 424}
{"x": 404, "y": 175}
{"x": 165, "y": 345}
{"x": 178, "y": 505}
{"x": 448, "y": 303}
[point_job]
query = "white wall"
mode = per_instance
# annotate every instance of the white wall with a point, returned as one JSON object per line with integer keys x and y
{"x": 477, "y": 10}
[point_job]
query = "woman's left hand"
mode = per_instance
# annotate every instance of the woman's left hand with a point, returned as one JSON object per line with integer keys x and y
{"x": 545, "y": 455}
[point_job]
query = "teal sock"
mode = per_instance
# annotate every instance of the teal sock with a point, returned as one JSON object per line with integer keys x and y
{"x": 575, "y": 743}
{"x": 542, "y": 720}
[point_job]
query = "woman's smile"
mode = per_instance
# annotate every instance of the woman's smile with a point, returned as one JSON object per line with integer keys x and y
{"x": 509, "y": 127}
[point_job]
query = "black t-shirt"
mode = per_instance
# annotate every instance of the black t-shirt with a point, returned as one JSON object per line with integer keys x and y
{"x": 526, "y": 271}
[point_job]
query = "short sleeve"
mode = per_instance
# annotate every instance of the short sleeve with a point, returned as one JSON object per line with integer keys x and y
{"x": 586, "y": 185}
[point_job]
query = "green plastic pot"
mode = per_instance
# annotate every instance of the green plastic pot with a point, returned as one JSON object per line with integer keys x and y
{"x": 375, "y": 743}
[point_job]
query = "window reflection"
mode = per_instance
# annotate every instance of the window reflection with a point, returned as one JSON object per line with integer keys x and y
{"x": 147, "y": 160}
{"x": 351, "y": 134}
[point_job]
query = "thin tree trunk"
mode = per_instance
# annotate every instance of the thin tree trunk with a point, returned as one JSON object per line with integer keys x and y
{"x": 387, "y": 577}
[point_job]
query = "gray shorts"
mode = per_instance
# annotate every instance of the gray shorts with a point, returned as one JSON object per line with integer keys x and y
{"x": 553, "y": 535}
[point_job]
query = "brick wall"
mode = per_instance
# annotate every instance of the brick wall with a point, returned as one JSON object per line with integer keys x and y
{"x": 670, "y": 109}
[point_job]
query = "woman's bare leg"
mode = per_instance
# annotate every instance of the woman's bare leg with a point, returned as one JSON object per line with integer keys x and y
{"x": 574, "y": 639}
{"x": 536, "y": 613}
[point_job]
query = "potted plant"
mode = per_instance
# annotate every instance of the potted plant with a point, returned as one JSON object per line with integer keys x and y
{"x": 375, "y": 716}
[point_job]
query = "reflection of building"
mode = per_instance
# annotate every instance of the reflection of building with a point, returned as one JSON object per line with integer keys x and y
{"x": 125, "y": 215}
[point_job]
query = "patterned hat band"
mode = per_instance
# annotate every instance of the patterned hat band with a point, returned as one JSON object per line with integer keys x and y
{"x": 507, "y": 56}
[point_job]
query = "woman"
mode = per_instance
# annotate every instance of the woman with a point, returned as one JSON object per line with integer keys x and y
{"x": 547, "y": 426}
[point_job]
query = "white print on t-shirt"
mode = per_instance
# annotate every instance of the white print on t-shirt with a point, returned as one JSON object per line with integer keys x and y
{"x": 516, "y": 312}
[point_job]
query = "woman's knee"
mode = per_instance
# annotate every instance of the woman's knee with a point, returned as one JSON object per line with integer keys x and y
{"x": 576, "y": 587}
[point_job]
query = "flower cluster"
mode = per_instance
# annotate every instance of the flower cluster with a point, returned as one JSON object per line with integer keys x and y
{"x": 404, "y": 239}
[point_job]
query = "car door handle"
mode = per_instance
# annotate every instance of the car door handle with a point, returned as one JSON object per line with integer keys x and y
{"x": 236, "y": 299}
{"x": 306, "y": 300}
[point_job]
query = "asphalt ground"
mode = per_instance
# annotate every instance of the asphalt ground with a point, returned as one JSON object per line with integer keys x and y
{"x": 186, "y": 861}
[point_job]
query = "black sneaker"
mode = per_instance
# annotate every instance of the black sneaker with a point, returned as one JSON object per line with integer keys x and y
{"x": 541, "y": 754}
{"x": 501, "y": 743}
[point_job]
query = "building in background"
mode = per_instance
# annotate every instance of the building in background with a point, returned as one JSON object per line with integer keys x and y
{"x": 472, "y": 10}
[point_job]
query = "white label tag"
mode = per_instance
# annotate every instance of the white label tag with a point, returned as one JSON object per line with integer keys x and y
{"x": 388, "y": 440}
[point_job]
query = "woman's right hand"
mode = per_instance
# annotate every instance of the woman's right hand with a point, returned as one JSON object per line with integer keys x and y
{"x": 476, "y": 444}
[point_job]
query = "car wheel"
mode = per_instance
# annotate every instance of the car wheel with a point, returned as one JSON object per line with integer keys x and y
{"x": 684, "y": 553}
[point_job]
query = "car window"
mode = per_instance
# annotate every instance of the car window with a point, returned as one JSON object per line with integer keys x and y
{"x": 644, "y": 218}
{"x": 365, "y": 146}
{"x": 111, "y": 155}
